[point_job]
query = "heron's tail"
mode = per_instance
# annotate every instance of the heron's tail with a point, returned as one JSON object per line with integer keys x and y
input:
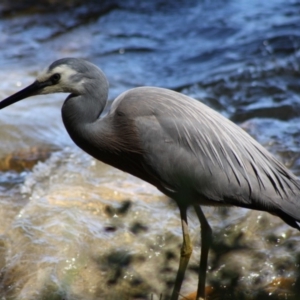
{"x": 295, "y": 223}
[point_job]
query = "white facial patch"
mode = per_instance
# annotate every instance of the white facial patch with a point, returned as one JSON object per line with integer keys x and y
{"x": 64, "y": 71}
{"x": 66, "y": 83}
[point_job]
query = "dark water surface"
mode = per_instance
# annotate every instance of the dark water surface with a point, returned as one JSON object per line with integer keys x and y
{"x": 73, "y": 228}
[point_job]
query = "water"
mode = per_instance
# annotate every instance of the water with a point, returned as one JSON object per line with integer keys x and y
{"x": 74, "y": 228}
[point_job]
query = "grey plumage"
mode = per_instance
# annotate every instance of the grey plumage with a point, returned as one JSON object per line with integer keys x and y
{"x": 187, "y": 150}
{"x": 190, "y": 147}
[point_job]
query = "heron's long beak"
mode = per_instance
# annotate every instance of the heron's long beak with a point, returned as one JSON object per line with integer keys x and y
{"x": 31, "y": 90}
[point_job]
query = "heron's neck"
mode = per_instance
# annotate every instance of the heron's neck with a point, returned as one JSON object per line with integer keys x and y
{"x": 81, "y": 111}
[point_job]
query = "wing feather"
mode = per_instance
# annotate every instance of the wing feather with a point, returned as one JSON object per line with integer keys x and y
{"x": 191, "y": 147}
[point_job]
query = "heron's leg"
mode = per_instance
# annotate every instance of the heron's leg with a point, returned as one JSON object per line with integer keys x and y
{"x": 206, "y": 239}
{"x": 186, "y": 251}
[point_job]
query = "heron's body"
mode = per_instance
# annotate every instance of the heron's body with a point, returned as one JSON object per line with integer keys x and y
{"x": 187, "y": 150}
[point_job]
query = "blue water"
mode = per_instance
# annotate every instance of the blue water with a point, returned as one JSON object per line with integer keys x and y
{"x": 235, "y": 55}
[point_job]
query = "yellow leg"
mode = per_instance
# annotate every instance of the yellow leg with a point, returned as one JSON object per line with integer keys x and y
{"x": 206, "y": 239}
{"x": 186, "y": 251}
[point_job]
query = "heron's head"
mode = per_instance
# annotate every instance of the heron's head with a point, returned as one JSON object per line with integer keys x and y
{"x": 67, "y": 75}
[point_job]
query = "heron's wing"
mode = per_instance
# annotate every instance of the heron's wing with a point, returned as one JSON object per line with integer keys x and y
{"x": 192, "y": 148}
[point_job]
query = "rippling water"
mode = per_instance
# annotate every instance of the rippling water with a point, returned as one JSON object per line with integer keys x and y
{"x": 73, "y": 228}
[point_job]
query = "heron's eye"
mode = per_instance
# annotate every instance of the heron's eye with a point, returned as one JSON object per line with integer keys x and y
{"x": 55, "y": 78}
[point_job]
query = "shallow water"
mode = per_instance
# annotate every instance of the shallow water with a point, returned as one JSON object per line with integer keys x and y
{"x": 74, "y": 228}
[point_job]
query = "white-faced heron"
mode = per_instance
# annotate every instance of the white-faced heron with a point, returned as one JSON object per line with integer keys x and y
{"x": 188, "y": 151}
